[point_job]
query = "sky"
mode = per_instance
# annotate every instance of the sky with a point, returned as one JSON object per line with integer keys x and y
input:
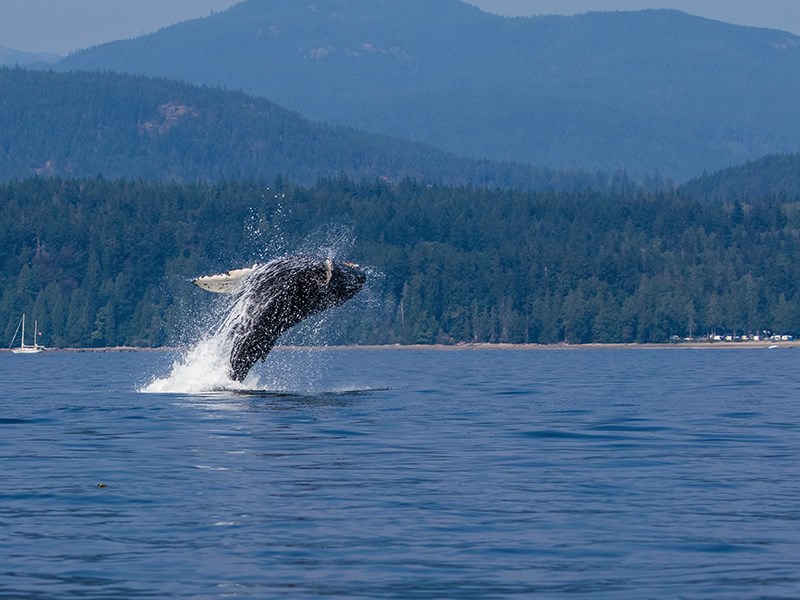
{"x": 61, "y": 26}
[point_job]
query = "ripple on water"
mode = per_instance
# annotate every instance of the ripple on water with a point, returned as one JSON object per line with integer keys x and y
{"x": 403, "y": 474}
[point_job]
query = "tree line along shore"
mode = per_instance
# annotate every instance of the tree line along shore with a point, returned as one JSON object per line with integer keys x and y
{"x": 109, "y": 263}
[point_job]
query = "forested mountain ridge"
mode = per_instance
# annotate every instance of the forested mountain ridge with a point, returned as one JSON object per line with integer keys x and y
{"x": 776, "y": 174}
{"x": 106, "y": 263}
{"x": 120, "y": 126}
{"x": 10, "y": 57}
{"x": 650, "y": 90}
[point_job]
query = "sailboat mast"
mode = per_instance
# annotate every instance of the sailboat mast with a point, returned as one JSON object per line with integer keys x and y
{"x": 22, "y": 339}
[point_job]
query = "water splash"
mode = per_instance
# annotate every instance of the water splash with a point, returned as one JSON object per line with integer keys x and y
{"x": 266, "y": 230}
{"x": 201, "y": 368}
{"x": 204, "y": 366}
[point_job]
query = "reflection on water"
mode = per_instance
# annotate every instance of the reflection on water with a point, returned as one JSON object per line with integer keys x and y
{"x": 405, "y": 474}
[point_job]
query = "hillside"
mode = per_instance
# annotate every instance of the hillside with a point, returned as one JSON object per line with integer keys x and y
{"x": 109, "y": 263}
{"x": 9, "y": 57}
{"x": 649, "y": 91}
{"x": 85, "y": 124}
{"x": 773, "y": 175}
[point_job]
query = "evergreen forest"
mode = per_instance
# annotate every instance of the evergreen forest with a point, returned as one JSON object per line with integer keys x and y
{"x": 769, "y": 175}
{"x": 109, "y": 262}
{"x": 78, "y": 125}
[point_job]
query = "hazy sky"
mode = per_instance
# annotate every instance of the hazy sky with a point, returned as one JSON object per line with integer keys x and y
{"x": 60, "y": 26}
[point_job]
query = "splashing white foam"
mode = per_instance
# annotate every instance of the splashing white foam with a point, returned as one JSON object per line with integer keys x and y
{"x": 203, "y": 368}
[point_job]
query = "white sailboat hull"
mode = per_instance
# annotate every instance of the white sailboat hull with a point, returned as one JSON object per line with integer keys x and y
{"x": 27, "y": 350}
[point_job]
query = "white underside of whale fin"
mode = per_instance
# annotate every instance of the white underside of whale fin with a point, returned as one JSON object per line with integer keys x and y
{"x": 224, "y": 283}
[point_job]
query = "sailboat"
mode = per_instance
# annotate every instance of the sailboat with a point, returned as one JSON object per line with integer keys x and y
{"x": 23, "y": 347}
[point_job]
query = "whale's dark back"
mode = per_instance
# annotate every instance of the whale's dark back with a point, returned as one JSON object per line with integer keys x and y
{"x": 279, "y": 295}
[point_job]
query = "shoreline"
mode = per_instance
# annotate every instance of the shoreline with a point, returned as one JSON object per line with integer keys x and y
{"x": 478, "y": 346}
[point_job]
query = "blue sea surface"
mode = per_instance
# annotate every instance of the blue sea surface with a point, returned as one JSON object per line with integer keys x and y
{"x": 405, "y": 473}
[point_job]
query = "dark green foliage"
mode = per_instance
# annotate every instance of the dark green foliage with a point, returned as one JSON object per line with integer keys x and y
{"x": 641, "y": 90}
{"x": 85, "y": 124}
{"x": 109, "y": 262}
{"x": 776, "y": 174}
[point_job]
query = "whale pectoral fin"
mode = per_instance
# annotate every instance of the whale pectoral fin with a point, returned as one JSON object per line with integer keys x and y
{"x": 224, "y": 283}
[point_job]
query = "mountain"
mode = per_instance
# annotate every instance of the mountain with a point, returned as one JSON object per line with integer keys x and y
{"x": 9, "y": 57}
{"x": 85, "y": 124}
{"x": 650, "y": 90}
{"x": 773, "y": 175}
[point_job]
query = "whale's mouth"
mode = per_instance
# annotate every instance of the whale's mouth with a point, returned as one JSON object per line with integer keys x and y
{"x": 355, "y": 277}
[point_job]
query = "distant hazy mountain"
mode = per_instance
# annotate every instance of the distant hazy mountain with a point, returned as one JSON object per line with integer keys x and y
{"x": 11, "y": 57}
{"x": 87, "y": 124}
{"x": 651, "y": 90}
{"x": 774, "y": 175}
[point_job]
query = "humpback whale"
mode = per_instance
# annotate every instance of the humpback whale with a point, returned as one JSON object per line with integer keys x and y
{"x": 273, "y": 297}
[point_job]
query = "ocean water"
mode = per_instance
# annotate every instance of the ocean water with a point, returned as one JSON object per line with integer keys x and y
{"x": 404, "y": 473}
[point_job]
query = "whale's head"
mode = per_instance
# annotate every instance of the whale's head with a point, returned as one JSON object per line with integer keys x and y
{"x": 342, "y": 281}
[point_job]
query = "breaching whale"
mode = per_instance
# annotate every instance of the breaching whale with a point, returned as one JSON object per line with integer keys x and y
{"x": 274, "y": 296}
